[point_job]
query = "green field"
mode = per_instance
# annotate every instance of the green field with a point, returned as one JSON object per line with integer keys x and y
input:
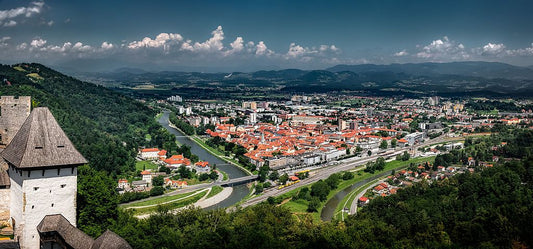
{"x": 214, "y": 191}
{"x": 160, "y": 200}
{"x": 173, "y": 205}
{"x": 140, "y": 165}
{"x": 224, "y": 175}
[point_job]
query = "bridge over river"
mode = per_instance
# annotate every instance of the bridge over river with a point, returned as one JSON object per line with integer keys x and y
{"x": 237, "y": 181}
{"x": 234, "y": 173}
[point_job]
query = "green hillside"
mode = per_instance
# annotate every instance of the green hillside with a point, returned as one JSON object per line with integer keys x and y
{"x": 106, "y": 127}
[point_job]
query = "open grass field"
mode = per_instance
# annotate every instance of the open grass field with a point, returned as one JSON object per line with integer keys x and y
{"x": 214, "y": 191}
{"x": 140, "y": 165}
{"x": 161, "y": 199}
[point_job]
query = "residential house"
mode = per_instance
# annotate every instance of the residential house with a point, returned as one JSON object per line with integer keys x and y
{"x": 202, "y": 167}
{"x": 147, "y": 177}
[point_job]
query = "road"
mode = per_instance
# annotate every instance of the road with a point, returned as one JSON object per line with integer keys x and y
{"x": 344, "y": 165}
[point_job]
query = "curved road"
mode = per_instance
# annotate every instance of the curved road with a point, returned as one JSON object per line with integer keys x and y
{"x": 346, "y": 164}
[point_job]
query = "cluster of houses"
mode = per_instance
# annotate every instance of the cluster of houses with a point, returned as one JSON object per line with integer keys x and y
{"x": 405, "y": 178}
{"x": 160, "y": 157}
{"x": 173, "y": 162}
{"x": 300, "y": 133}
{"x": 302, "y": 143}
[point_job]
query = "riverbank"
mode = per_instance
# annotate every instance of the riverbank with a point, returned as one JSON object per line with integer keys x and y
{"x": 230, "y": 170}
{"x": 209, "y": 149}
{"x": 215, "y": 199}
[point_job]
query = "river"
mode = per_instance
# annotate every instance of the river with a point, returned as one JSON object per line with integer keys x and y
{"x": 329, "y": 209}
{"x": 239, "y": 191}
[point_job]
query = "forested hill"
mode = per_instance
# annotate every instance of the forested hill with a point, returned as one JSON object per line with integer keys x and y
{"x": 105, "y": 126}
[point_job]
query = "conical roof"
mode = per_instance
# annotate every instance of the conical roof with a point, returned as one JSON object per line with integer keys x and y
{"x": 41, "y": 142}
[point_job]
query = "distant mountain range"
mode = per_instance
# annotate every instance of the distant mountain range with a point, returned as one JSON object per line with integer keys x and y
{"x": 469, "y": 68}
{"x": 420, "y": 78}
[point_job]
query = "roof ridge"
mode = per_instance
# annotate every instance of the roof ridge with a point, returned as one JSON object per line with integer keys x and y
{"x": 26, "y": 138}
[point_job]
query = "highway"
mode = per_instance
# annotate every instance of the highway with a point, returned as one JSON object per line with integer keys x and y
{"x": 347, "y": 164}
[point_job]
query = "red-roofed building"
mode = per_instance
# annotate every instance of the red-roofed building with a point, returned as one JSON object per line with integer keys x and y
{"x": 363, "y": 200}
{"x": 123, "y": 184}
{"x": 147, "y": 176}
{"x": 202, "y": 167}
{"x": 162, "y": 154}
{"x": 402, "y": 142}
{"x": 176, "y": 161}
{"x": 149, "y": 153}
{"x": 175, "y": 184}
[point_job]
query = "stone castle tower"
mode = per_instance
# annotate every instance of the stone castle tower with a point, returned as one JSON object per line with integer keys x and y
{"x": 42, "y": 166}
{"x": 13, "y": 112}
{"x": 38, "y": 182}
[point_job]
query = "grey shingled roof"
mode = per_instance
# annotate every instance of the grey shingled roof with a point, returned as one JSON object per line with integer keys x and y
{"x": 70, "y": 234}
{"x": 4, "y": 178}
{"x": 110, "y": 240}
{"x": 77, "y": 239}
{"x": 41, "y": 142}
{"x": 9, "y": 244}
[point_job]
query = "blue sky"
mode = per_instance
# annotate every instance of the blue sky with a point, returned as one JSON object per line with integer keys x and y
{"x": 252, "y": 35}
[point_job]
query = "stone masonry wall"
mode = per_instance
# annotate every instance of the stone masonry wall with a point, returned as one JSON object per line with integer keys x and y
{"x": 13, "y": 113}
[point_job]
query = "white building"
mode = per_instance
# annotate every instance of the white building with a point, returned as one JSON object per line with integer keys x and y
{"x": 205, "y": 120}
{"x": 253, "y": 117}
{"x": 415, "y": 137}
{"x": 311, "y": 159}
{"x": 334, "y": 154}
{"x": 150, "y": 153}
{"x": 147, "y": 177}
{"x": 175, "y": 98}
{"x": 202, "y": 167}
{"x": 43, "y": 173}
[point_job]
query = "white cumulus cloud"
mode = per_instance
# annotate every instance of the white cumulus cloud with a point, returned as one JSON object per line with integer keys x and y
{"x": 10, "y": 23}
{"x": 262, "y": 49}
{"x": 443, "y": 49}
{"x": 521, "y": 51}
{"x": 106, "y": 45}
{"x": 37, "y": 43}
{"x": 492, "y": 48}
{"x": 212, "y": 44}
{"x": 160, "y": 40}
{"x": 78, "y": 46}
{"x": 29, "y": 11}
{"x": 305, "y": 54}
{"x": 295, "y": 51}
{"x": 3, "y": 41}
{"x": 401, "y": 53}
{"x": 236, "y": 46}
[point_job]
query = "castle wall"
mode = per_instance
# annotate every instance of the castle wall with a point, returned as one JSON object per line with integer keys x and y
{"x": 4, "y": 203}
{"x": 13, "y": 113}
{"x": 43, "y": 192}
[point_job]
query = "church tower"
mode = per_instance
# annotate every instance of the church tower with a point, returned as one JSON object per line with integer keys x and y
{"x": 42, "y": 165}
